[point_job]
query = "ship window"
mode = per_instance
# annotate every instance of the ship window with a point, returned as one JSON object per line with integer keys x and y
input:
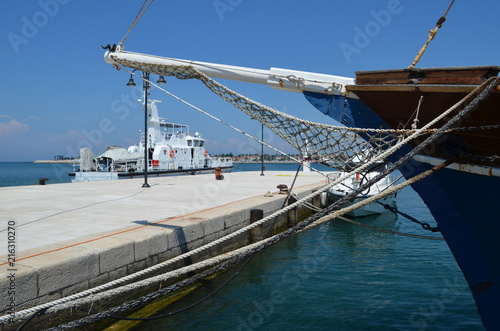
{"x": 190, "y": 143}
{"x": 202, "y": 143}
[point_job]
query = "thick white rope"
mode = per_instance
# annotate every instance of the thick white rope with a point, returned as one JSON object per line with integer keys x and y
{"x": 375, "y": 197}
{"x": 179, "y": 258}
{"x": 226, "y": 256}
{"x": 160, "y": 278}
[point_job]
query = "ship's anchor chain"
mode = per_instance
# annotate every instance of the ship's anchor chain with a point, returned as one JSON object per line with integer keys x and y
{"x": 425, "y": 226}
{"x": 371, "y": 227}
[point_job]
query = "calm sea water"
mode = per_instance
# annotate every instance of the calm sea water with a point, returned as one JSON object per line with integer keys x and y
{"x": 28, "y": 173}
{"x": 340, "y": 276}
{"x": 337, "y": 276}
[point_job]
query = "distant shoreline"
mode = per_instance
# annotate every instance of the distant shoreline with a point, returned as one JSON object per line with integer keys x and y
{"x": 78, "y": 161}
{"x": 57, "y": 161}
{"x": 258, "y": 162}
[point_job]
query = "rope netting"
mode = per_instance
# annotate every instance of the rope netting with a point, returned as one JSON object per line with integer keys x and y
{"x": 468, "y": 103}
{"x": 338, "y": 146}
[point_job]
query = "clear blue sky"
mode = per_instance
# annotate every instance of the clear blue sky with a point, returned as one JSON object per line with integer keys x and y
{"x": 56, "y": 90}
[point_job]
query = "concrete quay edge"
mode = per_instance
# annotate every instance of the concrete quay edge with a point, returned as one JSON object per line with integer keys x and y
{"x": 57, "y": 270}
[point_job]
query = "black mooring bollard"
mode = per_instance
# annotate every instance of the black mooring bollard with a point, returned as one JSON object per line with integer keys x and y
{"x": 256, "y": 232}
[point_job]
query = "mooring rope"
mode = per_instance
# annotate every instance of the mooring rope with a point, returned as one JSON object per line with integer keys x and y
{"x": 179, "y": 258}
{"x": 160, "y": 278}
{"x": 111, "y": 313}
{"x": 373, "y": 198}
{"x": 485, "y": 87}
{"x": 245, "y": 252}
{"x": 178, "y": 272}
{"x": 482, "y": 92}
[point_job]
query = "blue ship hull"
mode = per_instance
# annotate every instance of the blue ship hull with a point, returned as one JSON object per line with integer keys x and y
{"x": 462, "y": 203}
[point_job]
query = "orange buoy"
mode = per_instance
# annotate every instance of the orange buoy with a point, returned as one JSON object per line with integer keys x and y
{"x": 205, "y": 153}
{"x": 171, "y": 153}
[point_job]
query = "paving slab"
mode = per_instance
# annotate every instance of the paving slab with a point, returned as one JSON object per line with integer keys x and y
{"x": 51, "y": 214}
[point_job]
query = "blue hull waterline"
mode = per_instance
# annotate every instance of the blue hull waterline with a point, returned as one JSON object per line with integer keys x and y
{"x": 462, "y": 203}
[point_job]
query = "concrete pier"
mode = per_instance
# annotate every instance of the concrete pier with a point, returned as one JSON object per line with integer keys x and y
{"x": 65, "y": 238}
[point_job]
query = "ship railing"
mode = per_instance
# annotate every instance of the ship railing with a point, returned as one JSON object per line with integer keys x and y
{"x": 333, "y": 176}
{"x": 140, "y": 165}
{"x": 76, "y": 167}
{"x": 116, "y": 166}
{"x": 221, "y": 161}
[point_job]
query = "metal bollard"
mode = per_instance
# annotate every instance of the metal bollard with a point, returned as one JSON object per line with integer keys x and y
{"x": 218, "y": 174}
{"x": 256, "y": 232}
{"x": 293, "y": 215}
{"x": 316, "y": 201}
